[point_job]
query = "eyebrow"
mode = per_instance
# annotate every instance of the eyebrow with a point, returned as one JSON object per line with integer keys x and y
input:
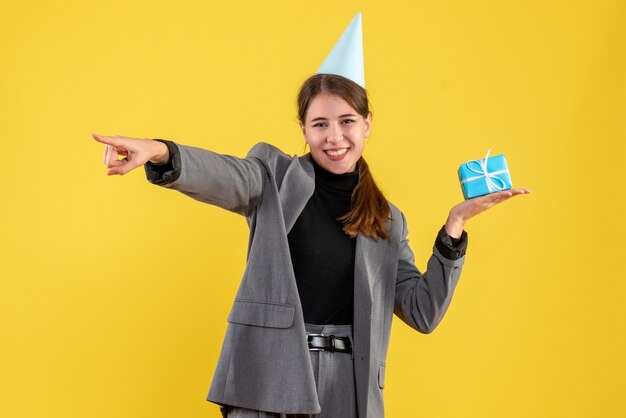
{"x": 341, "y": 116}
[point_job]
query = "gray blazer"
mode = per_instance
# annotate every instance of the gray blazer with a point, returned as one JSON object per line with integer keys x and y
{"x": 264, "y": 363}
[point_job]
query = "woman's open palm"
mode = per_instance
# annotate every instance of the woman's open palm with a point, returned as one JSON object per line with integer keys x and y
{"x": 472, "y": 207}
{"x": 467, "y": 209}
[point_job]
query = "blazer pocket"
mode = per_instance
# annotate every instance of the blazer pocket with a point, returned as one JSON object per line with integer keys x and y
{"x": 381, "y": 375}
{"x": 261, "y": 314}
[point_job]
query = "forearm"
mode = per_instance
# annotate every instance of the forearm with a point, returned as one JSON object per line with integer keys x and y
{"x": 229, "y": 182}
{"x": 421, "y": 300}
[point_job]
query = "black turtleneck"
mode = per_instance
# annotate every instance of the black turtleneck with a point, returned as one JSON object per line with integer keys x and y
{"x": 322, "y": 254}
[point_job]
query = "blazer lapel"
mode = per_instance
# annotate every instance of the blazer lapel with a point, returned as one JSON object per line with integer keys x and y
{"x": 296, "y": 188}
{"x": 368, "y": 260}
{"x": 369, "y": 257}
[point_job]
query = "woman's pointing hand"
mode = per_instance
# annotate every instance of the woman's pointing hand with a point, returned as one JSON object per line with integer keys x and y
{"x": 136, "y": 152}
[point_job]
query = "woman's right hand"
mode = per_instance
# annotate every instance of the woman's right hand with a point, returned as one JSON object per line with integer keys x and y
{"x": 136, "y": 152}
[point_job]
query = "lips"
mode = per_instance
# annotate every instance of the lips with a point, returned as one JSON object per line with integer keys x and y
{"x": 336, "y": 154}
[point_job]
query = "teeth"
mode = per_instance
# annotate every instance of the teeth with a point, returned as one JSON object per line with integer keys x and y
{"x": 335, "y": 153}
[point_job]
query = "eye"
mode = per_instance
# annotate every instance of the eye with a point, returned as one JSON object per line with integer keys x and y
{"x": 347, "y": 121}
{"x": 319, "y": 125}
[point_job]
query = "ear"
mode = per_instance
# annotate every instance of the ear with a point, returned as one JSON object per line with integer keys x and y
{"x": 368, "y": 124}
{"x": 303, "y": 129}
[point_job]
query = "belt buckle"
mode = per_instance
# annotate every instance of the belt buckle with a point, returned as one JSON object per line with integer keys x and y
{"x": 332, "y": 342}
{"x": 314, "y": 335}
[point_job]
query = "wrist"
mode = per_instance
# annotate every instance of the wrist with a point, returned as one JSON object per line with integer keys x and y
{"x": 161, "y": 153}
{"x": 454, "y": 225}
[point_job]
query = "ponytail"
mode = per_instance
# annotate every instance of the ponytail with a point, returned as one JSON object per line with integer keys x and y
{"x": 369, "y": 210}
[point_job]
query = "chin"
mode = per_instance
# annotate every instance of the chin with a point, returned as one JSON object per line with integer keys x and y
{"x": 335, "y": 167}
{"x": 342, "y": 169}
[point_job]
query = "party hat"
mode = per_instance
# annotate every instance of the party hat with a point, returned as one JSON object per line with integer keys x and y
{"x": 346, "y": 57}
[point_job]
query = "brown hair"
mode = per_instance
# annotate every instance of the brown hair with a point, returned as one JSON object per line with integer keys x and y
{"x": 369, "y": 209}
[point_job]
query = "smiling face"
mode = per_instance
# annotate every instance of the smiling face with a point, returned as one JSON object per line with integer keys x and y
{"x": 335, "y": 133}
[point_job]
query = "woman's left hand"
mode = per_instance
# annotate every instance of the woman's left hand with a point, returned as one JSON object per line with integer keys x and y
{"x": 466, "y": 210}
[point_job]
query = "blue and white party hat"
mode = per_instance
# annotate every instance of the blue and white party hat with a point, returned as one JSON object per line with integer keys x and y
{"x": 346, "y": 57}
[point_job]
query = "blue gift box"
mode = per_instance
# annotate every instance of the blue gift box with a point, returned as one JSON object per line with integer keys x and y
{"x": 481, "y": 177}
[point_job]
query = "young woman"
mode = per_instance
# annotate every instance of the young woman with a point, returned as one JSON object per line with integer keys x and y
{"x": 328, "y": 263}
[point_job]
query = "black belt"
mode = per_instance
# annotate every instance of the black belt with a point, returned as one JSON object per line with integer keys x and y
{"x": 319, "y": 342}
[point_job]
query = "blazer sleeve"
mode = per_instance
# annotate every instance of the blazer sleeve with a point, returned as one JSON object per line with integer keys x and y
{"x": 232, "y": 183}
{"x": 421, "y": 300}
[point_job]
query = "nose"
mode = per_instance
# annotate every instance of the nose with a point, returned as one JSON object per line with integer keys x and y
{"x": 335, "y": 134}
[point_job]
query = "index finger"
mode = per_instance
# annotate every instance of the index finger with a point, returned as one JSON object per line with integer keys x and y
{"x": 110, "y": 140}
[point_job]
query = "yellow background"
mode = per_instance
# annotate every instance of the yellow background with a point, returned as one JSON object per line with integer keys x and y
{"x": 114, "y": 292}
